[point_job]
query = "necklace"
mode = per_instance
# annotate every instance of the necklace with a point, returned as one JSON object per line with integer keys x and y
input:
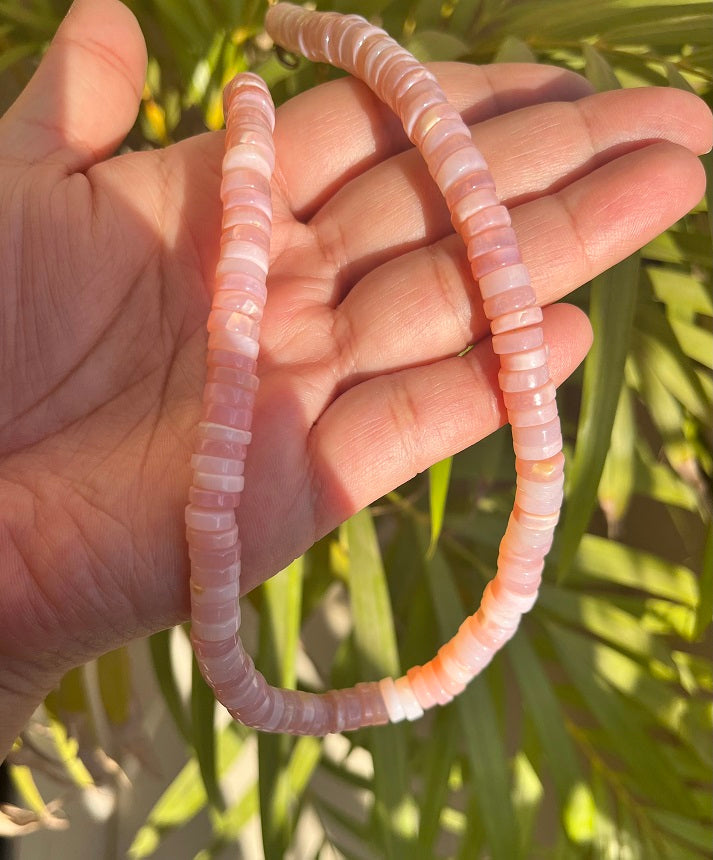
{"x": 458, "y": 168}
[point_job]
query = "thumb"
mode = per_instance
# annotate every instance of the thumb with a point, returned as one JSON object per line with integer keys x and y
{"x": 83, "y": 98}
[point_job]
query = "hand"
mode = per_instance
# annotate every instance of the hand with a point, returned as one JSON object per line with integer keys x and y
{"x": 107, "y": 265}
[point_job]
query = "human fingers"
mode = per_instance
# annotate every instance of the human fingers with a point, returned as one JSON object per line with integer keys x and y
{"x": 382, "y": 432}
{"x": 424, "y": 305}
{"x": 84, "y": 96}
{"x": 395, "y": 207}
{"x": 327, "y": 135}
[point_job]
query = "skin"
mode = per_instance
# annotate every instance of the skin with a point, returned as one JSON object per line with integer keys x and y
{"x": 106, "y": 268}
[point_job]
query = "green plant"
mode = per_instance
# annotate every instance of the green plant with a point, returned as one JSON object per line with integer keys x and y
{"x": 589, "y": 735}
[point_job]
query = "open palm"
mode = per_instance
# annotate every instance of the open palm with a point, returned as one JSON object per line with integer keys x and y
{"x": 107, "y": 265}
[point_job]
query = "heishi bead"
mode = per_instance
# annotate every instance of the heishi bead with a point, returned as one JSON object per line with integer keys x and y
{"x": 424, "y": 695}
{"x": 410, "y": 704}
{"x": 392, "y": 700}
{"x": 516, "y": 319}
{"x": 209, "y": 519}
{"x": 509, "y": 301}
{"x": 522, "y": 400}
{"x": 530, "y": 359}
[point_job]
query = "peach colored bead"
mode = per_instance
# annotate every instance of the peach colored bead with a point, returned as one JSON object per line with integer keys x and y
{"x": 435, "y": 686}
{"x": 239, "y": 301}
{"x": 460, "y": 673}
{"x": 445, "y": 681}
{"x": 424, "y": 694}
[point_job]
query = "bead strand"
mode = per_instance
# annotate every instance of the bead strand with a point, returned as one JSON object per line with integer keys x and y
{"x": 461, "y": 174}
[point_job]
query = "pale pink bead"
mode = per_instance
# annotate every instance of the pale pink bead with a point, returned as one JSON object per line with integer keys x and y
{"x": 491, "y": 635}
{"x": 233, "y": 341}
{"x": 217, "y": 631}
{"x": 460, "y": 673}
{"x": 516, "y": 319}
{"x": 535, "y": 521}
{"x": 211, "y": 578}
{"x": 453, "y": 143}
{"x": 523, "y": 400}
{"x": 274, "y": 718}
{"x": 212, "y": 499}
{"x": 223, "y": 483}
{"x": 233, "y": 376}
{"x": 528, "y": 360}
{"x": 546, "y": 469}
{"x": 214, "y": 559}
{"x": 244, "y": 198}
{"x": 213, "y": 613}
{"x": 469, "y": 651}
{"x": 216, "y": 465}
{"x": 261, "y": 159}
{"x": 518, "y": 341}
{"x": 538, "y": 452}
{"x": 354, "y": 40}
{"x": 224, "y": 433}
{"x": 209, "y": 519}
{"x": 212, "y": 540}
{"x": 521, "y": 603}
{"x": 506, "y": 278}
{"x": 222, "y": 593}
{"x": 241, "y": 233}
{"x": 485, "y": 243}
{"x": 239, "y": 302}
{"x": 520, "y": 568}
{"x": 223, "y": 667}
{"x": 249, "y": 252}
{"x": 248, "y": 216}
{"x": 533, "y": 417}
{"x": 226, "y": 450}
{"x": 436, "y": 125}
{"x": 417, "y": 98}
{"x": 471, "y": 203}
{"x": 523, "y": 380}
{"x": 220, "y": 318}
{"x": 224, "y": 413}
{"x": 478, "y": 181}
{"x": 218, "y": 392}
{"x": 460, "y": 163}
{"x": 228, "y": 267}
{"x": 485, "y": 220}
{"x": 228, "y": 358}
{"x": 522, "y": 539}
{"x": 244, "y": 283}
{"x": 509, "y": 301}
{"x": 505, "y": 255}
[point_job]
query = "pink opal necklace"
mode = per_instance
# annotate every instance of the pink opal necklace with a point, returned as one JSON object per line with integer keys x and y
{"x": 458, "y": 168}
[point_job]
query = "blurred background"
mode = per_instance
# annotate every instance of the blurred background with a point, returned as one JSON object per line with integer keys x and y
{"x": 589, "y": 736}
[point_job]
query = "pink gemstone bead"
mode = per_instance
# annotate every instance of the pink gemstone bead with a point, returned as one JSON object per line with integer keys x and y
{"x": 209, "y": 519}
{"x": 509, "y": 301}
{"x": 523, "y": 380}
{"x": 516, "y": 319}
{"x": 222, "y": 483}
{"x": 531, "y": 359}
{"x": 523, "y": 400}
{"x": 502, "y": 279}
{"x": 534, "y": 417}
{"x": 212, "y": 499}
